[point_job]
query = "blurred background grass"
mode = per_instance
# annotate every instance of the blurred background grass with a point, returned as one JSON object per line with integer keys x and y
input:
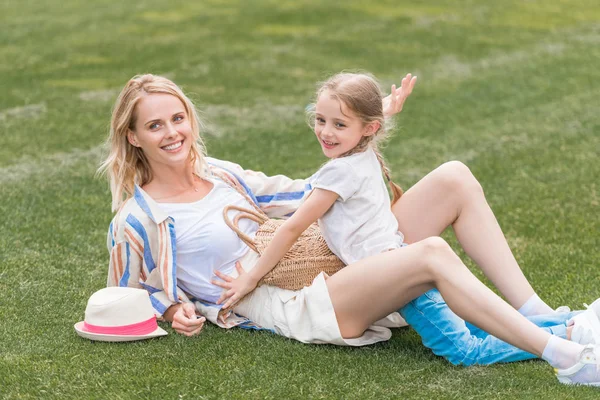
{"x": 509, "y": 87}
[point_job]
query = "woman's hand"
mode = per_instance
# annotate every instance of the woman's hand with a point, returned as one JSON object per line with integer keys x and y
{"x": 393, "y": 103}
{"x": 185, "y": 320}
{"x": 234, "y": 289}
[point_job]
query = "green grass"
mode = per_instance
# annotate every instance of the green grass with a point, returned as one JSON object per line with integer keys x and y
{"x": 510, "y": 88}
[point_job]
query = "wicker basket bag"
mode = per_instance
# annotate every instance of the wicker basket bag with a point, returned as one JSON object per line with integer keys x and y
{"x": 306, "y": 259}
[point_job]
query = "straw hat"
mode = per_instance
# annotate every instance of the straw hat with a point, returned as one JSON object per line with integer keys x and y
{"x": 119, "y": 314}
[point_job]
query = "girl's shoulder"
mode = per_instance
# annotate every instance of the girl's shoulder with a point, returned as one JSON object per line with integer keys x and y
{"x": 336, "y": 165}
{"x": 359, "y": 164}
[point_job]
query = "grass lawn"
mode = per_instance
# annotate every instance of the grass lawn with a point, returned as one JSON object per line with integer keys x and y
{"x": 509, "y": 87}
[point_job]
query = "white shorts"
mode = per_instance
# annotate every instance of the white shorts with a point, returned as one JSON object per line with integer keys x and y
{"x": 306, "y": 315}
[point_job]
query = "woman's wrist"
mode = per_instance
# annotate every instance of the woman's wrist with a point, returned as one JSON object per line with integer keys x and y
{"x": 170, "y": 312}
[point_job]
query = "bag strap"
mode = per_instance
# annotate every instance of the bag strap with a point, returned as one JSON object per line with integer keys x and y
{"x": 256, "y": 214}
{"x": 244, "y": 213}
{"x": 238, "y": 188}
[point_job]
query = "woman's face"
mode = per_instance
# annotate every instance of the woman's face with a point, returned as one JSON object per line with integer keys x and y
{"x": 162, "y": 130}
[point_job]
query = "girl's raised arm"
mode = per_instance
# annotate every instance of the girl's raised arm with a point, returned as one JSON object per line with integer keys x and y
{"x": 317, "y": 204}
{"x": 393, "y": 103}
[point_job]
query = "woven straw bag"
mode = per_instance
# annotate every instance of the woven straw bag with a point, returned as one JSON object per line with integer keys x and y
{"x": 306, "y": 259}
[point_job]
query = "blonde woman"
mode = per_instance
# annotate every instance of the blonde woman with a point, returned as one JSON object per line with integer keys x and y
{"x": 168, "y": 236}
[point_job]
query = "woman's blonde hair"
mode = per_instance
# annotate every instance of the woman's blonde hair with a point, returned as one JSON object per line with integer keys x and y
{"x": 127, "y": 165}
{"x": 361, "y": 94}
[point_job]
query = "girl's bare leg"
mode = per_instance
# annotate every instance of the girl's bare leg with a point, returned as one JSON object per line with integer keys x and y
{"x": 451, "y": 196}
{"x": 383, "y": 283}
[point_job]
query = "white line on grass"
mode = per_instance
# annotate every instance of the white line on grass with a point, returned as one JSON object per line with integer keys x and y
{"x": 450, "y": 67}
{"x": 232, "y": 120}
{"x": 29, "y": 111}
{"x": 99, "y": 95}
{"x": 48, "y": 165}
{"x": 562, "y": 118}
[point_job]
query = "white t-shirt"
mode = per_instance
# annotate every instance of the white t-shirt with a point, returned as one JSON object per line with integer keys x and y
{"x": 360, "y": 223}
{"x": 204, "y": 242}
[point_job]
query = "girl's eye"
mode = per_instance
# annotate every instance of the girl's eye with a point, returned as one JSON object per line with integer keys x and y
{"x": 340, "y": 125}
{"x": 320, "y": 120}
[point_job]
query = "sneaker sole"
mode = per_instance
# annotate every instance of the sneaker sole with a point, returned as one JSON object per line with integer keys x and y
{"x": 566, "y": 381}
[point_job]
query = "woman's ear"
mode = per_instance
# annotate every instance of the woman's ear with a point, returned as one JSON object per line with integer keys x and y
{"x": 132, "y": 139}
{"x": 371, "y": 128}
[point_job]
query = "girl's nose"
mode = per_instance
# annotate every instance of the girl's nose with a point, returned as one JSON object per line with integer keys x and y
{"x": 326, "y": 131}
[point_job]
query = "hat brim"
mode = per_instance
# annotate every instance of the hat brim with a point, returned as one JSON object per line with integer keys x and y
{"x": 116, "y": 338}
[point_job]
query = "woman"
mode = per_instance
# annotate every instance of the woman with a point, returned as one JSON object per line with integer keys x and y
{"x": 157, "y": 163}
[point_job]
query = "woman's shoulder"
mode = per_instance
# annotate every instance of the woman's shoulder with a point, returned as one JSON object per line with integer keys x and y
{"x": 130, "y": 214}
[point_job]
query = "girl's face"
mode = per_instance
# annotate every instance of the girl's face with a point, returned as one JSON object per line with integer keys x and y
{"x": 162, "y": 130}
{"x": 338, "y": 129}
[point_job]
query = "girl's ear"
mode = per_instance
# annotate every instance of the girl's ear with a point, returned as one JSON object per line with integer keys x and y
{"x": 132, "y": 139}
{"x": 371, "y": 128}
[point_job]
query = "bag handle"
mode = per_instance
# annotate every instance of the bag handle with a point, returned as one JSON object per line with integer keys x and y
{"x": 244, "y": 213}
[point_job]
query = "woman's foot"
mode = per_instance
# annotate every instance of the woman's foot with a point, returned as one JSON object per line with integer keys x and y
{"x": 585, "y": 372}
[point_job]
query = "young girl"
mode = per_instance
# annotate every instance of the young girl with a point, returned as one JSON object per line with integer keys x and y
{"x": 351, "y": 203}
{"x": 349, "y": 197}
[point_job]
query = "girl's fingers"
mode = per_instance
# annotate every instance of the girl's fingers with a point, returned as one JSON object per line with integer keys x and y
{"x": 232, "y": 300}
{"x": 393, "y": 97}
{"x": 239, "y": 268}
{"x": 221, "y": 284}
{"x": 412, "y": 83}
{"x": 222, "y": 298}
{"x": 221, "y": 275}
{"x": 226, "y": 295}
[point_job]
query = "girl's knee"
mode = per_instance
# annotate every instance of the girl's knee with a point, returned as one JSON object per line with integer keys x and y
{"x": 455, "y": 176}
{"x": 438, "y": 255}
{"x": 434, "y": 248}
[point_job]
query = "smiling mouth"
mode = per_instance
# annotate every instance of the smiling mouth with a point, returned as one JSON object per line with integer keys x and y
{"x": 329, "y": 145}
{"x": 173, "y": 146}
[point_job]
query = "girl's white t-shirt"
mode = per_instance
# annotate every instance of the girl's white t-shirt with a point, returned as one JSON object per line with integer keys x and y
{"x": 204, "y": 242}
{"x": 360, "y": 223}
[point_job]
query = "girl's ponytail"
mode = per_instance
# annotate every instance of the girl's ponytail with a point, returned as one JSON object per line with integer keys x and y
{"x": 396, "y": 190}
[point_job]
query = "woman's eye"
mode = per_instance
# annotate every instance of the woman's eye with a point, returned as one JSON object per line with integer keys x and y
{"x": 178, "y": 118}
{"x": 154, "y": 126}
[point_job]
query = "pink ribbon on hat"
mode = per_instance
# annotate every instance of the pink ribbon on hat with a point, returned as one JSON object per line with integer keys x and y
{"x": 140, "y": 328}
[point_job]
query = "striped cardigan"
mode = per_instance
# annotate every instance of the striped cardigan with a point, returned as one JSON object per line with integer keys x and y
{"x": 142, "y": 244}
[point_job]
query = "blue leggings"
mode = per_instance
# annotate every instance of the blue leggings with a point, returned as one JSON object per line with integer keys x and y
{"x": 460, "y": 342}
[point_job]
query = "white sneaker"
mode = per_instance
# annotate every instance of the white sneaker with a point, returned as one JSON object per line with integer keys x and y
{"x": 586, "y": 326}
{"x": 585, "y": 372}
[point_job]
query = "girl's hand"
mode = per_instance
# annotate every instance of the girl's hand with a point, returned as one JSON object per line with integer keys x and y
{"x": 393, "y": 103}
{"x": 235, "y": 289}
{"x": 186, "y": 322}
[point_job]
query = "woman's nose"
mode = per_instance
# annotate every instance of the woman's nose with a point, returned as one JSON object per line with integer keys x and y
{"x": 171, "y": 131}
